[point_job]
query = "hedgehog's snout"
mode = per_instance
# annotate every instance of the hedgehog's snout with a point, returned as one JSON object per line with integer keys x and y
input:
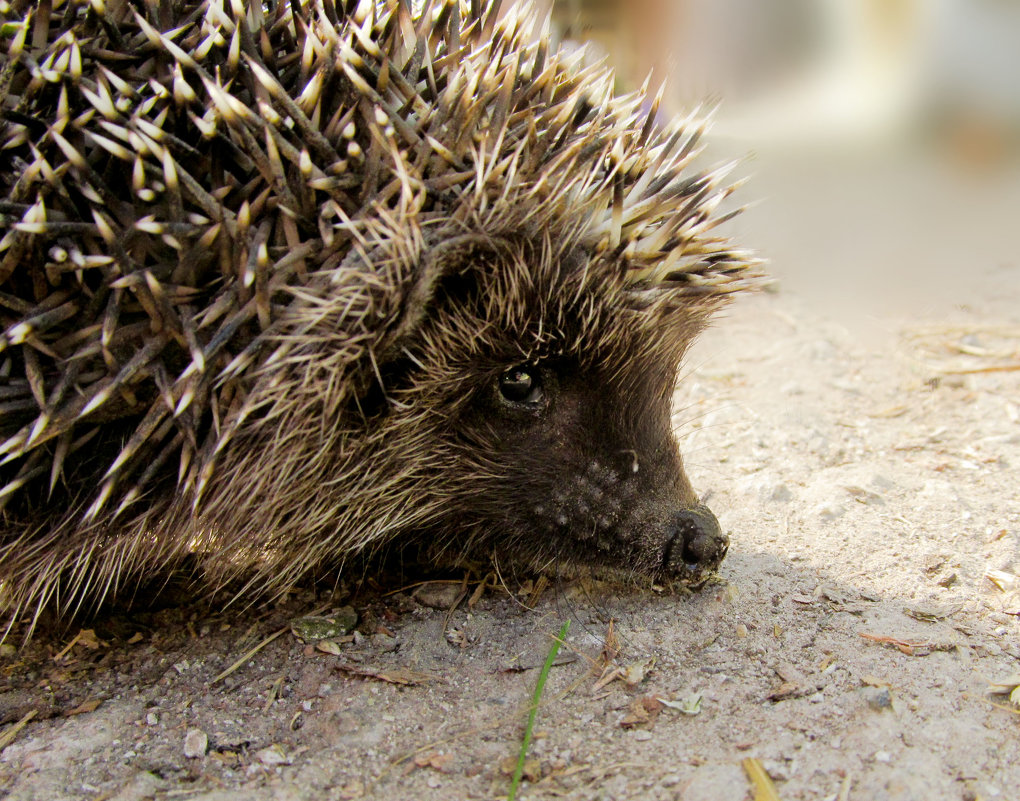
{"x": 695, "y": 541}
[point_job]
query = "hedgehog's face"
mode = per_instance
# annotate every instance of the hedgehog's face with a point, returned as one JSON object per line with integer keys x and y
{"x": 558, "y": 435}
{"x": 585, "y": 473}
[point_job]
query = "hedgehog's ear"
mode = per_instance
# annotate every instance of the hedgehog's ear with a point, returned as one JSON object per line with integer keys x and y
{"x": 445, "y": 271}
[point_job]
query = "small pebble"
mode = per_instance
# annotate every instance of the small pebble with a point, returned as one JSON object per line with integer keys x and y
{"x": 878, "y": 698}
{"x": 437, "y": 595}
{"x": 195, "y": 743}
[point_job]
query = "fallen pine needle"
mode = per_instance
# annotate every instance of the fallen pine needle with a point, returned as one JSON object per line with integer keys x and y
{"x": 255, "y": 649}
{"x": 995, "y": 368}
{"x": 8, "y": 736}
{"x": 536, "y": 699}
{"x": 904, "y": 646}
{"x": 249, "y": 654}
{"x": 764, "y": 789}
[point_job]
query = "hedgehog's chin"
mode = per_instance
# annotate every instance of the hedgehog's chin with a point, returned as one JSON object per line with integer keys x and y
{"x": 574, "y": 566}
{"x": 690, "y": 581}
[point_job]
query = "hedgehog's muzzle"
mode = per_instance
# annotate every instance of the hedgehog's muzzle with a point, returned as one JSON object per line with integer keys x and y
{"x": 695, "y": 542}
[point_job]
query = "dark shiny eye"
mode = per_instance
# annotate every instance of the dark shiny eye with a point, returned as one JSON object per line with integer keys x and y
{"x": 522, "y": 384}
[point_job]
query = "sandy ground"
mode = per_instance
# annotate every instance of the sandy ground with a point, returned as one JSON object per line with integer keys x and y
{"x": 869, "y": 483}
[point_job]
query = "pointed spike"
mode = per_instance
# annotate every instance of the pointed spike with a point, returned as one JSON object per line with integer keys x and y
{"x": 97, "y": 505}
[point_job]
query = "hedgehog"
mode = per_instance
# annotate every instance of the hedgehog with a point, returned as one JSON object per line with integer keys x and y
{"x": 287, "y": 284}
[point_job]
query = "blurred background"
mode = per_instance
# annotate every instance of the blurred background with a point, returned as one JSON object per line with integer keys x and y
{"x": 882, "y": 136}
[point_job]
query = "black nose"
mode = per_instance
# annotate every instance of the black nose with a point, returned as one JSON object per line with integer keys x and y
{"x": 696, "y": 543}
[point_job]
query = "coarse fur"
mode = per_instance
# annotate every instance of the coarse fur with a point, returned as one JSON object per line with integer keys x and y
{"x": 285, "y": 282}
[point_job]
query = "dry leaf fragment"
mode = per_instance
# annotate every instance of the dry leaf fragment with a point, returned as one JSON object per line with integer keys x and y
{"x": 403, "y": 676}
{"x": 632, "y": 675}
{"x": 435, "y": 760}
{"x": 787, "y": 690}
{"x": 86, "y": 637}
{"x": 1002, "y": 580}
{"x": 330, "y": 646}
{"x": 610, "y": 646}
{"x": 1009, "y": 686}
{"x": 908, "y": 647}
{"x": 476, "y": 596}
{"x": 539, "y": 587}
{"x": 636, "y": 672}
{"x": 85, "y": 706}
{"x": 532, "y": 768}
{"x": 690, "y": 705}
{"x": 643, "y": 711}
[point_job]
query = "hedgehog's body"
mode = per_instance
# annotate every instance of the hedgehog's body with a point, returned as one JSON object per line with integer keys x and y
{"x": 283, "y": 282}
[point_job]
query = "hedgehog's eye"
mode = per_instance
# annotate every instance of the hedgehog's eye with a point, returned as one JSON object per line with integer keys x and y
{"x": 522, "y": 384}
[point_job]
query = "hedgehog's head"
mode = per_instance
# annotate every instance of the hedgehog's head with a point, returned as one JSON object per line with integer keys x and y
{"x": 544, "y": 376}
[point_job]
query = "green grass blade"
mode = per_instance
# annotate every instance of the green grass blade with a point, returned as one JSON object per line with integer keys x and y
{"x": 534, "y": 710}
